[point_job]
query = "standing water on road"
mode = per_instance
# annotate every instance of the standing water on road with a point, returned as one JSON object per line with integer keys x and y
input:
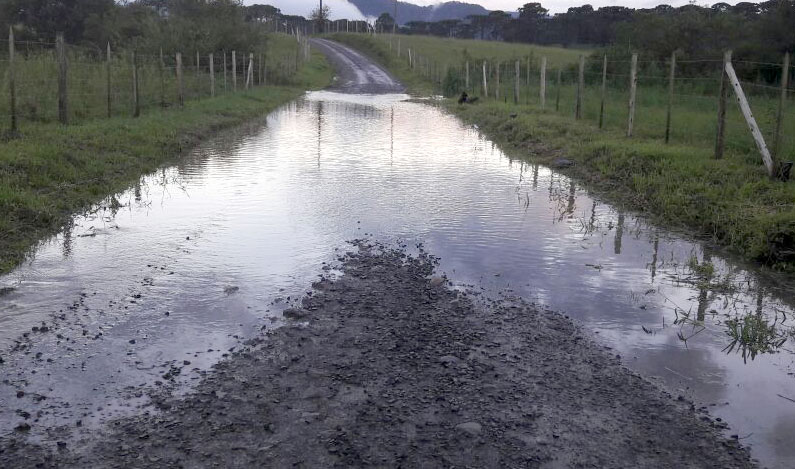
{"x": 163, "y": 280}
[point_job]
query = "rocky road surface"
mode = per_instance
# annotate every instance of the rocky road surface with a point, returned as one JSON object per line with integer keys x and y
{"x": 356, "y": 74}
{"x": 388, "y": 366}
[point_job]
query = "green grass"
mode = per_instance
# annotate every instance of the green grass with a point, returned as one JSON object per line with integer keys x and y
{"x": 36, "y": 73}
{"x": 680, "y": 185}
{"x": 54, "y": 171}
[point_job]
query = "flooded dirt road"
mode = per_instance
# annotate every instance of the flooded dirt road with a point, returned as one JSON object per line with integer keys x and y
{"x": 143, "y": 296}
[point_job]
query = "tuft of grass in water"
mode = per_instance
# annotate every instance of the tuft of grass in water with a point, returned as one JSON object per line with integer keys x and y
{"x": 52, "y": 171}
{"x": 730, "y": 202}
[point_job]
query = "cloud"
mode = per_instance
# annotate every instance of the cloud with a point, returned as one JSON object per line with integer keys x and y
{"x": 339, "y": 9}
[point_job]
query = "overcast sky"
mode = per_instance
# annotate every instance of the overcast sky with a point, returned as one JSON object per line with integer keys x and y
{"x": 342, "y": 9}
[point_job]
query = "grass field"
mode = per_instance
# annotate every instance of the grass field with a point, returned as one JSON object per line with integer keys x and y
{"x": 730, "y": 201}
{"x": 53, "y": 171}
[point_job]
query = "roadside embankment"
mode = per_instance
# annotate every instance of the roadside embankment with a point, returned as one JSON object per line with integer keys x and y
{"x": 387, "y": 366}
{"x": 51, "y": 171}
{"x": 730, "y": 202}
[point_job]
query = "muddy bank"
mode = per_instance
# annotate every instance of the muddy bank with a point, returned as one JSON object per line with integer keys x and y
{"x": 388, "y": 366}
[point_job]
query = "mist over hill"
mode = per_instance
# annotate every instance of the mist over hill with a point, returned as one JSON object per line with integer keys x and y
{"x": 410, "y": 12}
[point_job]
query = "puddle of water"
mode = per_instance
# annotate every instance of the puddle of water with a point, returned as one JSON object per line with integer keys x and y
{"x": 205, "y": 253}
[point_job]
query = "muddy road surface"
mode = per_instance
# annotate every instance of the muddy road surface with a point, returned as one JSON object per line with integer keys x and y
{"x": 388, "y": 366}
{"x": 356, "y": 74}
{"x": 182, "y": 322}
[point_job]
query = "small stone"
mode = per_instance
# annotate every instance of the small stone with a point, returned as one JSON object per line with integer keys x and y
{"x": 22, "y": 427}
{"x": 436, "y": 281}
{"x": 473, "y": 428}
{"x": 132, "y": 341}
{"x": 562, "y": 163}
{"x": 294, "y": 313}
{"x": 20, "y": 394}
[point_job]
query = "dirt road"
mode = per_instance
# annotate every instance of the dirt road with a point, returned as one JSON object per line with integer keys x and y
{"x": 356, "y": 73}
{"x": 386, "y": 365}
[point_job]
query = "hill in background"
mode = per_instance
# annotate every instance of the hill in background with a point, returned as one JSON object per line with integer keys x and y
{"x": 409, "y": 12}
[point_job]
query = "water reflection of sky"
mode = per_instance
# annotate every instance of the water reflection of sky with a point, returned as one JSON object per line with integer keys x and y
{"x": 262, "y": 208}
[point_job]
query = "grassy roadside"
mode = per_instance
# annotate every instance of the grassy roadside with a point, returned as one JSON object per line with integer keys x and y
{"x": 54, "y": 171}
{"x": 730, "y": 202}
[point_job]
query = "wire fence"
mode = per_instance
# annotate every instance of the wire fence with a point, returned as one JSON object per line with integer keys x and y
{"x": 678, "y": 108}
{"x": 47, "y": 82}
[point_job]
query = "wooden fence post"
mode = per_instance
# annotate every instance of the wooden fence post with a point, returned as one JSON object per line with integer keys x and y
{"x": 180, "y": 82}
{"x": 63, "y": 98}
{"x": 782, "y": 102}
{"x": 580, "y": 89}
{"x": 136, "y": 97}
{"x": 604, "y": 93}
{"x": 108, "y": 88}
{"x": 226, "y": 86}
{"x": 723, "y": 97}
{"x": 466, "y": 87}
{"x": 749, "y": 119}
{"x": 485, "y": 82}
{"x": 162, "y": 72}
{"x": 671, "y": 82}
{"x": 234, "y": 71}
{"x": 557, "y": 91}
{"x": 516, "y": 84}
{"x": 250, "y": 78}
{"x": 633, "y": 88}
{"x": 212, "y": 75}
{"x": 528, "y": 73}
{"x": 261, "y": 69}
{"x": 542, "y": 91}
{"x": 497, "y": 82}
{"x": 12, "y": 91}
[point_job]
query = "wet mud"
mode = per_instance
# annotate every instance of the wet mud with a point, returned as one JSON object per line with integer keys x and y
{"x": 388, "y": 365}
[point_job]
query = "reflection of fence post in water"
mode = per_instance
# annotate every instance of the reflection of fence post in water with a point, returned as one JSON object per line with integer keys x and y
{"x": 619, "y": 234}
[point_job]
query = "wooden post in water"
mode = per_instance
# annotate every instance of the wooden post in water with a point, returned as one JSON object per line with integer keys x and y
{"x": 542, "y": 89}
{"x": 12, "y": 91}
{"x": 63, "y": 98}
{"x": 604, "y": 93}
{"x": 108, "y": 89}
{"x": 633, "y": 87}
{"x": 485, "y": 82}
{"x": 180, "y": 82}
{"x": 720, "y": 142}
{"x": 234, "y": 71}
{"x": 557, "y": 92}
{"x": 781, "y": 103}
{"x": 136, "y": 97}
{"x": 212, "y": 75}
{"x": 516, "y": 84}
{"x": 671, "y": 82}
{"x": 580, "y": 89}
